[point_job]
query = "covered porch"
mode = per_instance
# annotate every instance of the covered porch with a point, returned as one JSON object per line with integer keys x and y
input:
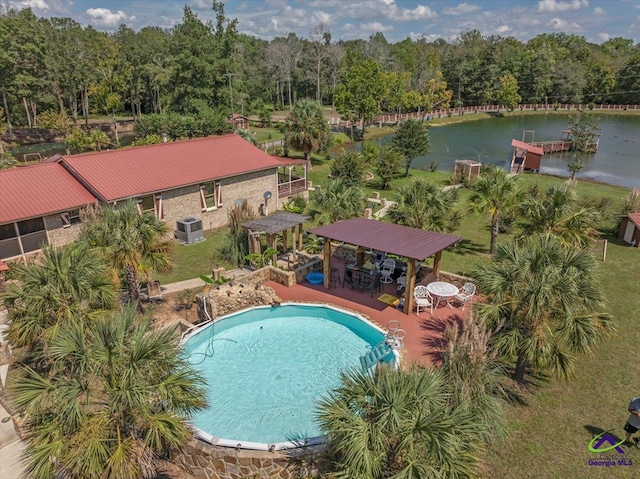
{"x": 411, "y": 243}
{"x": 292, "y": 177}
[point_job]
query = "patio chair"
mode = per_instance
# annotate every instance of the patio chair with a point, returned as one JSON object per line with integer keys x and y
{"x": 380, "y": 257}
{"x": 387, "y": 269}
{"x": 401, "y": 281}
{"x": 422, "y": 299}
{"x": 466, "y": 294}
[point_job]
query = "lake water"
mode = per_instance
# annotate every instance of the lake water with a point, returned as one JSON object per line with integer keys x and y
{"x": 489, "y": 141}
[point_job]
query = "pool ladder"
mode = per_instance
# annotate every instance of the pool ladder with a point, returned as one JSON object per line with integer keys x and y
{"x": 394, "y": 340}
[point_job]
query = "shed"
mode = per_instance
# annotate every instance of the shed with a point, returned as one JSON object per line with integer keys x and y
{"x": 467, "y": 169}
{"x": 630, "y": 229}
{"x": 525, "y": 157}
{"x": 238, "y": 122}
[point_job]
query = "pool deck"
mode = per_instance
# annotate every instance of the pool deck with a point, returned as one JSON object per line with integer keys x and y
{"x": 424, "y": 338}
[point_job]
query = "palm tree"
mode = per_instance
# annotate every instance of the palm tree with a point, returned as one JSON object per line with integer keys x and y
{"x": 115, "y": 403}
{"x": 246, "y": 135}
{"x": 61, "y": 284}
{"x": 495, "y": 193}
{"x": 397, "y": 423}
{"x": 544, "y": 304}
{"x": 477, "y": 378}
{"x": 132, "y": 243}
{"x": 421, "y": 204}
{"x": 559, "y": 213}
{"x": 308, "y": 130}
{"x": 336, "y": 201}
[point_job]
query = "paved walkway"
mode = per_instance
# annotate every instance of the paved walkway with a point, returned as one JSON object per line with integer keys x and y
{"x": 11, "y": 448}
{"x": 197, "y": 282}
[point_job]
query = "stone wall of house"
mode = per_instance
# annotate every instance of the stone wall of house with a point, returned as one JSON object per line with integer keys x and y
{"x": 59, "y": 236}
{"x": 205, "y": 461}
{"x": 183, "y": 202}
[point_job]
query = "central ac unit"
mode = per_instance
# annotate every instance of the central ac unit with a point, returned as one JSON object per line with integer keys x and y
{"x": 189, "y": 230}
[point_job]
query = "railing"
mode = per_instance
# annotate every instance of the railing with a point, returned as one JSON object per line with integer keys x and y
{"x": 286, "y": 188}
{"x": 337, "y": 124}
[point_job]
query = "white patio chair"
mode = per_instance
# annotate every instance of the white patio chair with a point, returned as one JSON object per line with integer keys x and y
{"x": 422, "y": 299}
{"x": 466, "y": 294}
{"x": 387, "y": 269}
{"x": 401, "y": 281}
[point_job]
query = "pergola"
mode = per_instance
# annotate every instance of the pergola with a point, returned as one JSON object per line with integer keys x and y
{"x": 411, "y": 243}
{"x": 279, "y": 222}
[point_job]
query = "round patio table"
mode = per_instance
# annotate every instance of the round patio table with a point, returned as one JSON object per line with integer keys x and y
{"x": 443, "y": 291}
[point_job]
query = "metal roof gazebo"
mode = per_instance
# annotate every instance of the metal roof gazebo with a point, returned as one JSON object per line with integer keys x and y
{"x": 279, "y": 222}
{"x": 411, "y": 243}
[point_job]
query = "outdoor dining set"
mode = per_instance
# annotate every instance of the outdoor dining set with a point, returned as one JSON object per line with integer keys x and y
{"x": 440, "y": 292}
{"x": 436, "y": 294}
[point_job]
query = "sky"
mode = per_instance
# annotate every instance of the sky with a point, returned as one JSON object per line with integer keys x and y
{"x": 596, "y": 20}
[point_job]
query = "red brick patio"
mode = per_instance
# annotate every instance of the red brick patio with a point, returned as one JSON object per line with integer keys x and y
{"x": 424, "y": 333}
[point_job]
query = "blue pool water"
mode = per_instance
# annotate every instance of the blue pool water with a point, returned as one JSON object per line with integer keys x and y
{"x": 267, "y": 368}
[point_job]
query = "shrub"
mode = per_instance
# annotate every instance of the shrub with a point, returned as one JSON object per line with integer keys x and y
{"x": 433, "y": 166}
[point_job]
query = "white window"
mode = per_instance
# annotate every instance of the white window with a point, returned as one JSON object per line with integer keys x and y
{"x": 152, "y": 204}
{"x": 71, "y": 217}
{"x": 211, "y": 195}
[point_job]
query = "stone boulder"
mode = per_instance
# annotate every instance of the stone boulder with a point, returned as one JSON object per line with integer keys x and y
{"x": 232, "y": 297}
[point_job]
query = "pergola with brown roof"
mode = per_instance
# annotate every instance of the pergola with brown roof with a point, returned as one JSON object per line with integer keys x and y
{"x": 410, "y": 243}
{"x": 279, "y": 222}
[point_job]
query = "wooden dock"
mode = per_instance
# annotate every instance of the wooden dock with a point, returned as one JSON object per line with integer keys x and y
{"x": 553, "y": 146}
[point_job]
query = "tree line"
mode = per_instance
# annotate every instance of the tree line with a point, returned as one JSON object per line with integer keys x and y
{"x": 55, "y": 65}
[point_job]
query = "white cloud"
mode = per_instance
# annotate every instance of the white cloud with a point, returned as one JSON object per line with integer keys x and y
{"x": 375, "y": 27}
{"x": 598, "y": 11}
{"x": 34, "y": 4}
{"x": 559, "y": 24}
{"x": 604, "y": 36}
{"x": 461, "y": 9}
{"x": 432, "y": 37}
{"x": 559, "y": 6}
{"x": 421, "y": 12}
{"x": 201, "y": 4}
{"x": 106, "y": 18}
{"x": 503, "y": 29}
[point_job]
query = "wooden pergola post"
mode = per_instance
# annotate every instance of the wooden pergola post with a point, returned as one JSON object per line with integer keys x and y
{"x": 436, "y": 264}
{"x": 272, "y": 243}
{"x": 409, "y": 285}
{"x": 326, "y": 263}
{"x": 285, "y": 239}
{"x": 300, "y": 236}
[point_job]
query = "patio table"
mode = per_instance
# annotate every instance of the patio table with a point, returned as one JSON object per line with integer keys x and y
{"x": 443, "y": 291}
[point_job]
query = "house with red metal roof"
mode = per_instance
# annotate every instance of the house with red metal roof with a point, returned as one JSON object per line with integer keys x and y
{"x": 202, "y": 178}
{"x": 39, "y": 204}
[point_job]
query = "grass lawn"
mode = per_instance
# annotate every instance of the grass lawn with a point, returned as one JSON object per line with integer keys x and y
{"x": 551, "y": 434}
{"x": 190, "y": 261}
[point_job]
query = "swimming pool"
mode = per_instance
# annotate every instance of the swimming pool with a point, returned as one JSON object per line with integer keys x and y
{"x": 267, "y": 367}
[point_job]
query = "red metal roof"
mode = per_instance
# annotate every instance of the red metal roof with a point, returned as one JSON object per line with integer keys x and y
{"x": 135, "y": 171}
{"x": 526, "y": 146}
{"x": 42, "y": 189}
{"x": 635, "y": 218}
{"x": 388, "y": 237}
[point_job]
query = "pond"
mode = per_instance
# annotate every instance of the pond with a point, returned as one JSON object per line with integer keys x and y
{"x": 617, "y": 161}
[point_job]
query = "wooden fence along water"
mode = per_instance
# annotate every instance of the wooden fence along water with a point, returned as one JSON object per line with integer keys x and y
{"x": 337, "y": 124}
